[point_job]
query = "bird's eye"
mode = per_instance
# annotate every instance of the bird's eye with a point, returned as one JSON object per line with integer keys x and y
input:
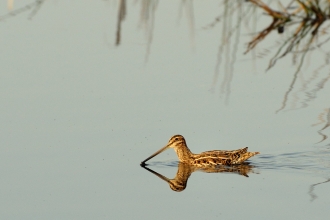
{"x": 176, "y": 139}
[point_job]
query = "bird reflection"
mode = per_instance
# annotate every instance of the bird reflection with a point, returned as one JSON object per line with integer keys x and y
{"x": 179, "y": 182}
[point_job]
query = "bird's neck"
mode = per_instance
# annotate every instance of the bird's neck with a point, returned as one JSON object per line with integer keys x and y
{"x": 183, "y": 152}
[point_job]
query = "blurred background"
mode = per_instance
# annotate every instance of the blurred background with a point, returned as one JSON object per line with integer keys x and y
{"x": 89, "y": 89}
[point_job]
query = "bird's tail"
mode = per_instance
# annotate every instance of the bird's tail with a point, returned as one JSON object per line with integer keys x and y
{"x": 246, "y": 156}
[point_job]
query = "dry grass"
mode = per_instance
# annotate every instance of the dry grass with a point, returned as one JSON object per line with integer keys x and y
{"x": 303, "y": 19}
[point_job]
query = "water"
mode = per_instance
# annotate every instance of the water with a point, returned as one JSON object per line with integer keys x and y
{"x": 79, "y": 114}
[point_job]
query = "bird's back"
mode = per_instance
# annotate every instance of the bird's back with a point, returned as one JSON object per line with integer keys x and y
{"x": 224, "y": 157}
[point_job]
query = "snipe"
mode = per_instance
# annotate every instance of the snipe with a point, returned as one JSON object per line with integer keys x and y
{"x": 208, "y": 158}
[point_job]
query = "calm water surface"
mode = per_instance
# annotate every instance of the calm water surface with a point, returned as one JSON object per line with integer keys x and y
{"x": 89, "y": 89}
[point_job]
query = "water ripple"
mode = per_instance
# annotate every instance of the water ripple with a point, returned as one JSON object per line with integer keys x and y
{"x": 167, "y": 163}
{"x": 308, "y": 161}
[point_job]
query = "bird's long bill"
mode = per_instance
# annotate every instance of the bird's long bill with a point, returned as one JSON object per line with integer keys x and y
{"x": 155, "y": 154}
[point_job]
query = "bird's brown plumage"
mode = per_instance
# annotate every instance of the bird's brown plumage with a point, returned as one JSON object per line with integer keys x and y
{"x": 208, "y": 158}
